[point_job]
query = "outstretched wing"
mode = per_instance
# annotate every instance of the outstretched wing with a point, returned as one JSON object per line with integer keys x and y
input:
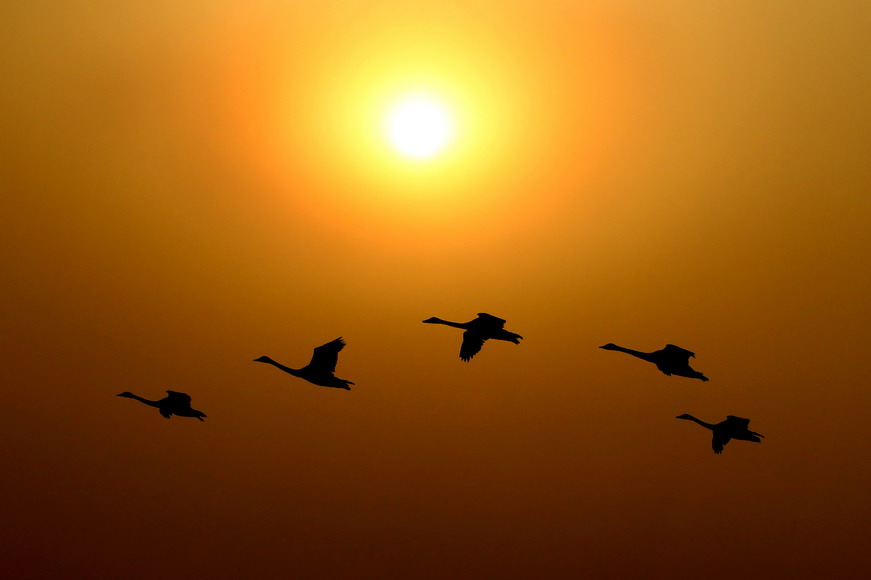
{"x": 678, "y": 352}
{"x": 490, "y": 321}
{"x": 472, "y": 343}
{"x": 326, "y": 356}
{"x": 179, "y": 398}
{"x": 737, "y": 422}
{"x": 719, "y": 441}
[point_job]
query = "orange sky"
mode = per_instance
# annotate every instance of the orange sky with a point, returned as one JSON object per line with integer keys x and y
{"x": 188, "y": 186}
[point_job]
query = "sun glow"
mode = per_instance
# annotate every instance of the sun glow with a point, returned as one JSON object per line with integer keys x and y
{"x": 389, "y": 134}
{"x": 419, "y": 127}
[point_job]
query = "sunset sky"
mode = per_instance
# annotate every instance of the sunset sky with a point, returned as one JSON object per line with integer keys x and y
{"x": 189, "y": 185}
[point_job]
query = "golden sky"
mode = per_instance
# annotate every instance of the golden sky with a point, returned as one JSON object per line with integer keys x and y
{"x": 190, "y": 185}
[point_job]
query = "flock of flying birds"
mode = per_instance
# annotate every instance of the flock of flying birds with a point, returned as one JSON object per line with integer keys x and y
{"x": 671, "y": 360}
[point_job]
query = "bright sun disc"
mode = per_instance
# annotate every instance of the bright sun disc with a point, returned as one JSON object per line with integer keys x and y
{"x": 419, "y": 127}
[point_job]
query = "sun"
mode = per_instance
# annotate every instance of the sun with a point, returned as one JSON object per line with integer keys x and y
{"x": 419, "y": 127}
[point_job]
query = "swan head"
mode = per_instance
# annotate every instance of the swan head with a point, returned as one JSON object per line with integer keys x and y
{"x": 263, "y": 359}
{"x": 684, "y": 416}
{"x": 609, "y": 346}
{"x": 432, "y": 320}
{"x": 127, "y": 394}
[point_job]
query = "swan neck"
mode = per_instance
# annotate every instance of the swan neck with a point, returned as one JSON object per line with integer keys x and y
{"x": 437, "y": 320}
{"x": 636, "y": 353}
{"x": 289, "y": 370}
{"x": 700, "y": 422}
{"x": 146, "y": 401}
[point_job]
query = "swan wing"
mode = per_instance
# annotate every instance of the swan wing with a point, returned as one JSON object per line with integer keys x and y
{"x": 490, "y": 321}
{"x": 179, "y": 398}
{"x": 737, "y": 422}
{"x": 472, "y": 343}
{"x": 677, "y": 352}
{"x": 719, "y": 441}
{"x": 326, "y": 356}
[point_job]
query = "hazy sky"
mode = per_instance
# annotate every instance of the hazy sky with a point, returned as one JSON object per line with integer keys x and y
{"x": 187, "y": 186}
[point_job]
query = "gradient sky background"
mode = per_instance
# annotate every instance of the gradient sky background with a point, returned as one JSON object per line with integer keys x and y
{"x": 190, "y": 185}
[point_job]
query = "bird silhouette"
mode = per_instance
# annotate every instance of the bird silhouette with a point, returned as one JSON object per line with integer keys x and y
{"x": 671, "y": 360}
{"x": 732, "y": 428}
{"x": 174, "y": 403}
{"x": 483, "y": 328}
{"x": 321, "y": 368}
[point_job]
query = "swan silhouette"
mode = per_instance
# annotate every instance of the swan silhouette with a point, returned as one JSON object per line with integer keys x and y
{"x": 483, "y": 328}
{"x": 174, "y": 403}
{"x": 732, "y": 428}
{"x": 321, "y": 368}
{"x": 671, "y": 360}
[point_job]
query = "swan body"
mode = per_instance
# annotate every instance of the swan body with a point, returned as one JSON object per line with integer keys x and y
{"x": 321, "y": 368}
{"x": 478, "y": 331}
{"x": 671, "y": 360}
{"x": 732, "y": 428}
{"x": 174, "y": 403}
